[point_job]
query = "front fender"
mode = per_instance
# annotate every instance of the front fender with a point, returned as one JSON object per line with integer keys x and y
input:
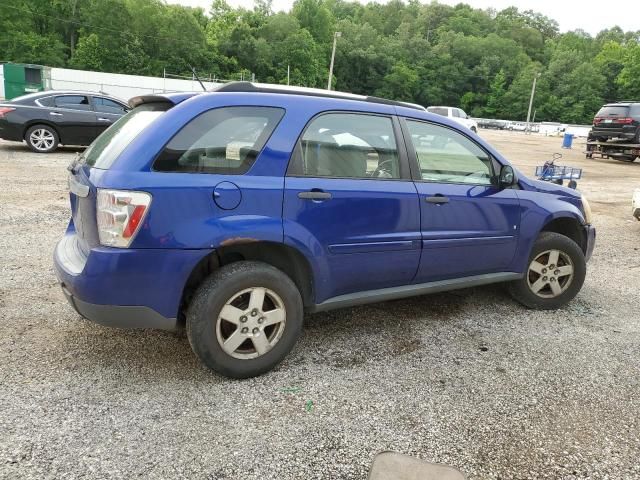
{"x": 537, "y": 210}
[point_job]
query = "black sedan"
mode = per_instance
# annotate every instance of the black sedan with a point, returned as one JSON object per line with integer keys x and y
{"x": 46, "y": 119}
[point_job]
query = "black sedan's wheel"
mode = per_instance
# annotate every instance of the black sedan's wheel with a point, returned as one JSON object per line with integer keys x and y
{"x": 555, "y": 273}
{"x": 244, "y": 319}
{"x": 42, "y": 139}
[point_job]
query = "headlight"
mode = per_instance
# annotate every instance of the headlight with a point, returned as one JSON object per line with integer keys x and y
{"x": 588, "y": 216}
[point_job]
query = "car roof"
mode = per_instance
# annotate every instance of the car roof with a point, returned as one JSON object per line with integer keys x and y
{"x": 251, "y": 87}
{"x": 620, "y": 104}
{"x": 50, "y": 93}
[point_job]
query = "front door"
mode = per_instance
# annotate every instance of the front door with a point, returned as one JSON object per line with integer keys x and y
{"x": 350, "y": 205}
{"x": 469, "y": 225}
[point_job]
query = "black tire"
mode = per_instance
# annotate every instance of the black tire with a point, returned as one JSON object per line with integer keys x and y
{"x": 48, "y": 142}
{"x": 636, "y": 139}
{"x": 523, "y": 293}
{"x": 214, "y": 293}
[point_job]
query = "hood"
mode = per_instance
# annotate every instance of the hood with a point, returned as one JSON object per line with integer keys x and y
{"x": 548, "y": 187}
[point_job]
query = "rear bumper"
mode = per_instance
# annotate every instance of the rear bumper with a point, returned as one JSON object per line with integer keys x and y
{"x": 590, "y": 235}
{"x": 619, "y": 132}
{"x": 120, "y": 316}
{"x": 124, "y": 288}
{"x": 10, "y": 131}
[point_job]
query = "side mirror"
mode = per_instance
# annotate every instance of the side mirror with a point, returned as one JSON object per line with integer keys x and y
{"x": 507, "y": 176}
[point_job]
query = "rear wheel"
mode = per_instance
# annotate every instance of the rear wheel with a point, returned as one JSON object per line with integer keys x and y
{"x": 244, "y": 319}
{"x": 555, "y": 273}
{"x": 42, "y": 138}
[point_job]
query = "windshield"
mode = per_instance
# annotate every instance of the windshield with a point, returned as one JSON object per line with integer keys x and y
{"x": 107, "y": 147}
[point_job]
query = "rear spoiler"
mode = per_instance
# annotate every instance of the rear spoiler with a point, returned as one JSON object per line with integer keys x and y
{"x": 171, "y": 98}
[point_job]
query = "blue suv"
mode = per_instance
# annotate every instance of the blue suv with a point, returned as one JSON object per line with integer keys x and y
{"x": 234, "y": 212}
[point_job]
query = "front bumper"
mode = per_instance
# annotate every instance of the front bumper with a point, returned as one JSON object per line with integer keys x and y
{"x": 124, "y": 288}
{"x": 590, "y": 236}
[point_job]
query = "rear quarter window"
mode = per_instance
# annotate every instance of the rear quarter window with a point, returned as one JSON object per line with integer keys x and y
{"x": 107, "y": 147}
{"x": 223, "y": 140}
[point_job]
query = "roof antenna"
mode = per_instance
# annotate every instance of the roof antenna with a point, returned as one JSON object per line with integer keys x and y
{"x": 197, "y": 78}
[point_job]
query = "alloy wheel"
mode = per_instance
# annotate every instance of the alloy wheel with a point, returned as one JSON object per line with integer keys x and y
{"x": 550, "y": 274}
{"x": 41, "y": 139}
{"x": 251, "y": 323}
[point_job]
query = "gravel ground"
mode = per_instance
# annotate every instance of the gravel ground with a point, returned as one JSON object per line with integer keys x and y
{"x": 468, "y": 379}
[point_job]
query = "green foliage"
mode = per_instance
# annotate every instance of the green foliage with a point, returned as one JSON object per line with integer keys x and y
{"x": 431, "y": 53}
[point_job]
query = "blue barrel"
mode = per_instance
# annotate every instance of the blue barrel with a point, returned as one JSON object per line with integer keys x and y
{"x": 567, "y": 140}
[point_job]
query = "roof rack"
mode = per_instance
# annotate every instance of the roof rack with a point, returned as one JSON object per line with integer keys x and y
{"x": 311, "y": 92}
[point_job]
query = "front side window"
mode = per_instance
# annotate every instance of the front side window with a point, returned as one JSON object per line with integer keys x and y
{"x": 349, "y": 145}
{"x": 73, "y": 102}
{"x": 446, "y": 156}
{"x": 105, "y": 105}
{"x": 223, "y": 140}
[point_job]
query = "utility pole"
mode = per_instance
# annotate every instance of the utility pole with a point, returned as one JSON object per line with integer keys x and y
{"x": 333, "y": 55}
{"x": 533, "y": 92}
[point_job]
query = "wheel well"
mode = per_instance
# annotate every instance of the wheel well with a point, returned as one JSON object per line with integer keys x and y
{"x": 39, "y": 122}
{"x": 569, "y": 227}
{"x": 283, "y": 257}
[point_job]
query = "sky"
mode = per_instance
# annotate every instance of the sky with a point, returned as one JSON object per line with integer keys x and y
{"x": 588, "y": 15}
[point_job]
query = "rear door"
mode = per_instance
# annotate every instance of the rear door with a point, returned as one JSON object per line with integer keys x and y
{"x": 74, "y": 119}
{"x": 350, "y": 202}
{"x": 469, "y": 225}
{"x": 107, "y": 112}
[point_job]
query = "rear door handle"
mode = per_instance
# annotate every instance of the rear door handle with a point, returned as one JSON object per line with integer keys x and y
{"x": 315, "y": 195}
{"x": 56, "y": 114}
{"x": 437, "y": 199}
{"x": 102, "y": 119}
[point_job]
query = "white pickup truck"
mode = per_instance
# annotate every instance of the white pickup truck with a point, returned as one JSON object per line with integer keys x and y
{"x": 457, "y": 115}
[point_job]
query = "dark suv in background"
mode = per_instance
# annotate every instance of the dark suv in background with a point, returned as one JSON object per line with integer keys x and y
{"x": 617, "y": 120}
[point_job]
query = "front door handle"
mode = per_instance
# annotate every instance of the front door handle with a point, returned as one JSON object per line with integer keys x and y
{"x": 438, "y": 199}
{"x": 315, "y": 195}
{"x": 56, "y": 114}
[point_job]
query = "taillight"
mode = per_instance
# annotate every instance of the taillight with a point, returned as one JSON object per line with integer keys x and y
{"x": 597, "y": 120}
{"x": 120, "y": 214}
{"x": 5, "y": 110}
{"x": 624, "y": 121}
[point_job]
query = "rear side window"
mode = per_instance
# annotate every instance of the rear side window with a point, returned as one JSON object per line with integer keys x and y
{"x": 108, "y": 106}
{"x": 438, "y": 111}
{"x": 107, "y": 147}
{"x": 73, "y": 102}
{"x": 613, "y": 111}
{"x": 222, "y": 140}
{"x": 349, "y": 145}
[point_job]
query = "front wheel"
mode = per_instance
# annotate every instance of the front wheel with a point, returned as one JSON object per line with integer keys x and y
{"x": 244, "y": 319}
{"x": 555, "y": 273}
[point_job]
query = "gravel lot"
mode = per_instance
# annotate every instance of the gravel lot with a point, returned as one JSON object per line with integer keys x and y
{"x": 469, "y": 378}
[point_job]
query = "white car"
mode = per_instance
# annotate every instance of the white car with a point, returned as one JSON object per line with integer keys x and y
{"x": 457, "y": 115}
{"x": 635, "y": 204}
